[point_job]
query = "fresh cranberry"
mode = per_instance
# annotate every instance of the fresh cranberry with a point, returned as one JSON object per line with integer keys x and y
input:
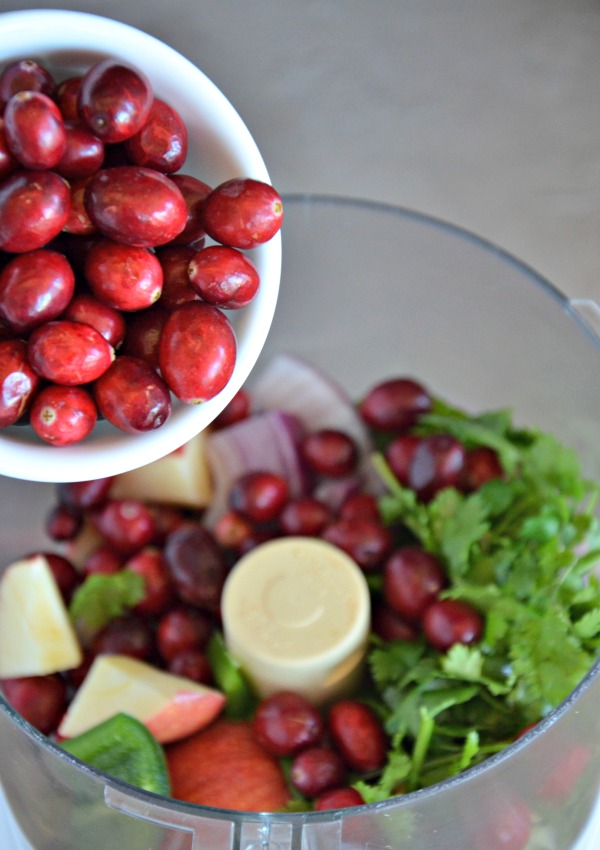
{"x": 85, "y": 494}
{"x": 395, "y": 405}
{"x": 232, "y": 530}
{"x": 114, "y": 100}
{"x": 62, "y": 415}
{"x": 192, "y": 664}
{"x": 132, "y": 396}
{"x": 197, "y": 351}
{"x": 41, "y": 700}
{"x": 135, "y": 205}
{"x": 329, "y": 452}
{"x": 437, "y": 462}
{"x": 158, "y": 589}
{"x": 194, "y": 192}
{"x": 127, "y": 524}
{"x": 358, "y": 735}
{"x": 223, "y": 276}
{"x": 481, "y": 465}
{"x": 259, "y": 496}
{"x": 66, "y": 97}
{"x": 83, "y": 154}
{"x": 161, "y": 142}
{"x": 412, "y": 580}
{"x": 242, "y": 213}
{"x": 183, "y": 629}
{"x": 450, "y": 621}
{"x": 338, "y": 798}
{"x": 109, "y": 322}
{"x": 104, "y": 560}
{"x": 35, "y": 130}
{"x": 367, "y": 541}
{"x": 123, "y": 276}
{"x": 25, "y": 75}
{"x": 18, "y": 381}
{"x": 390, "y": 625}
{"x": 196, "y": 565}
{"x": 317, "y": 770}
{"x": 286, "y": 723}
{"x": 63, "y": 522}
{"x": 34, "y": 207}
{"x": 142, "y": 334}
{"x": 359, "y": 506}
{"x": 399, "y": 455}
{"x": 177, "y": 288}
{"x": 35, "y": 286}
{"x": 306, "y": 517}
{"x": 68, "y": 353}
{"x": 127, "y": 635}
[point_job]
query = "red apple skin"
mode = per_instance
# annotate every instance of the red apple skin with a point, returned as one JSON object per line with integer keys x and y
{"x": 187, "y": 712}
{"x": 197, "y": 351}
{"x": 235, "y": 773}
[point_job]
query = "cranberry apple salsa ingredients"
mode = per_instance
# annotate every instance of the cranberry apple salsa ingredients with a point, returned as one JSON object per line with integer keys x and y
{"x": 476, "y": 541}
{"x": 103, "y": 242}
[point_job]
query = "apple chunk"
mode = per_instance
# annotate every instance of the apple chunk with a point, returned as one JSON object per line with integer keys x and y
{"x": 36, "y": 634}
{"x": 171, "y": 707}
{"x": 180, "y": 478}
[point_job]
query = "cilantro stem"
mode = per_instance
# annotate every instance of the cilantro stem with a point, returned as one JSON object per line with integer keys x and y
{"x": 422, "y": 743}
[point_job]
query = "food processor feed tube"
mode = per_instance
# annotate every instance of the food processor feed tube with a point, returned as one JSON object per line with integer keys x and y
{"x": 296, "y": 617}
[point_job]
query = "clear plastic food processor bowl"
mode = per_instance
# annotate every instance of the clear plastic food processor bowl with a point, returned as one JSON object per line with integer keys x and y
{"x": 370, "y": 291}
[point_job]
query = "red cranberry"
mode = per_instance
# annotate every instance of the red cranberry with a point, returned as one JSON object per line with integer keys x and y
{"x": 83, "y": 155}
{"x": 329, "y": 452}
{"x": 338, "y": 798}
{"x": 193, "y": 665}
{"x": 135, "y": 205}
{"x": 482, "y": 464}
{"x": 259, "y": 496}
{"x": 358, "y": 735}
{"x": 63, "y": 416}
{"x": 127, "y": 635}
{"x": 399, "y": 455}
{"x": 158, "y": 589}
{"x": 24, "y": 75}
{"x": 238, "y": 408}
{"x": 127, "y": 524}
{"x": 183, "y": 629}
{"x": 109, "y": 322}
{"x": 18, "y": 381}
{"x": 389, "y": 625}
{"x": 367, "y": 541}
{"x": 359, "y": 506}
{"x": 242, "y": 213}
{"x": 177, "y": 288}
{"x": 123, "y": 276}
{"x": 132, "y": 397}
{"x": 34, "y": 207}
{"x": 317, "y": 770}
{"x": 69, "y": 353}
{"x": 306, "y": 517}
{"x": 412, "y": 580}
{"x": 41, "y": 700}
{"x": 437, "y": 462}
{"x": 450, "y": 621}
{"x": 286, "y": 723}
{"x": 85, "y": 494}
{"x": 63, "y": 522}
{"x": 197, "y": 351}
{"x": 35, "y": 287}
{"x": 194, "y": 192}
{"x": 196, "y": 565}
{"x": 162, "y": 141}
{"x": 114, "y": 100}
{"x": 223, "y": 276}
{"x": 35, "y": 130}
{"x": 395, "y": 405}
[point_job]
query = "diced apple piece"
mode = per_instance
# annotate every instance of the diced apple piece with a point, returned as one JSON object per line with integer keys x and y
{"x": 36, "y": 634}
{"x": 180, "y": 478}
{"x": 171, "y": 707}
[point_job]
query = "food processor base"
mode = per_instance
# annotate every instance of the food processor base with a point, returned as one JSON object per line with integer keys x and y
{"x": 12, "y": 837}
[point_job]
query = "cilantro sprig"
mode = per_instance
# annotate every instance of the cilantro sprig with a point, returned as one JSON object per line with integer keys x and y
{"x": 521, "y": 549}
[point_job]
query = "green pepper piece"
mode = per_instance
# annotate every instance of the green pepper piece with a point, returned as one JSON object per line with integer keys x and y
{"x": 124, "y": 748}
{"x": 231, "y": 679}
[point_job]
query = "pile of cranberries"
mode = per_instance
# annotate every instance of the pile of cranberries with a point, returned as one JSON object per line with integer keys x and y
{"x": 111, "y": 295}
{"x": 184, "y": 566}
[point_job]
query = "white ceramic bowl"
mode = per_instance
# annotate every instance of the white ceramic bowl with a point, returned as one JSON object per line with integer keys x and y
{"x": 220, "y": 147}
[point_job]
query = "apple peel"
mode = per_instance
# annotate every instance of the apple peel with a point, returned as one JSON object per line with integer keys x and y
{"x": 171, "y": 707}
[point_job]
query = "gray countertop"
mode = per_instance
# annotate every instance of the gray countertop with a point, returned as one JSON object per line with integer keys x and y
{"x": 482, "y": 112}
